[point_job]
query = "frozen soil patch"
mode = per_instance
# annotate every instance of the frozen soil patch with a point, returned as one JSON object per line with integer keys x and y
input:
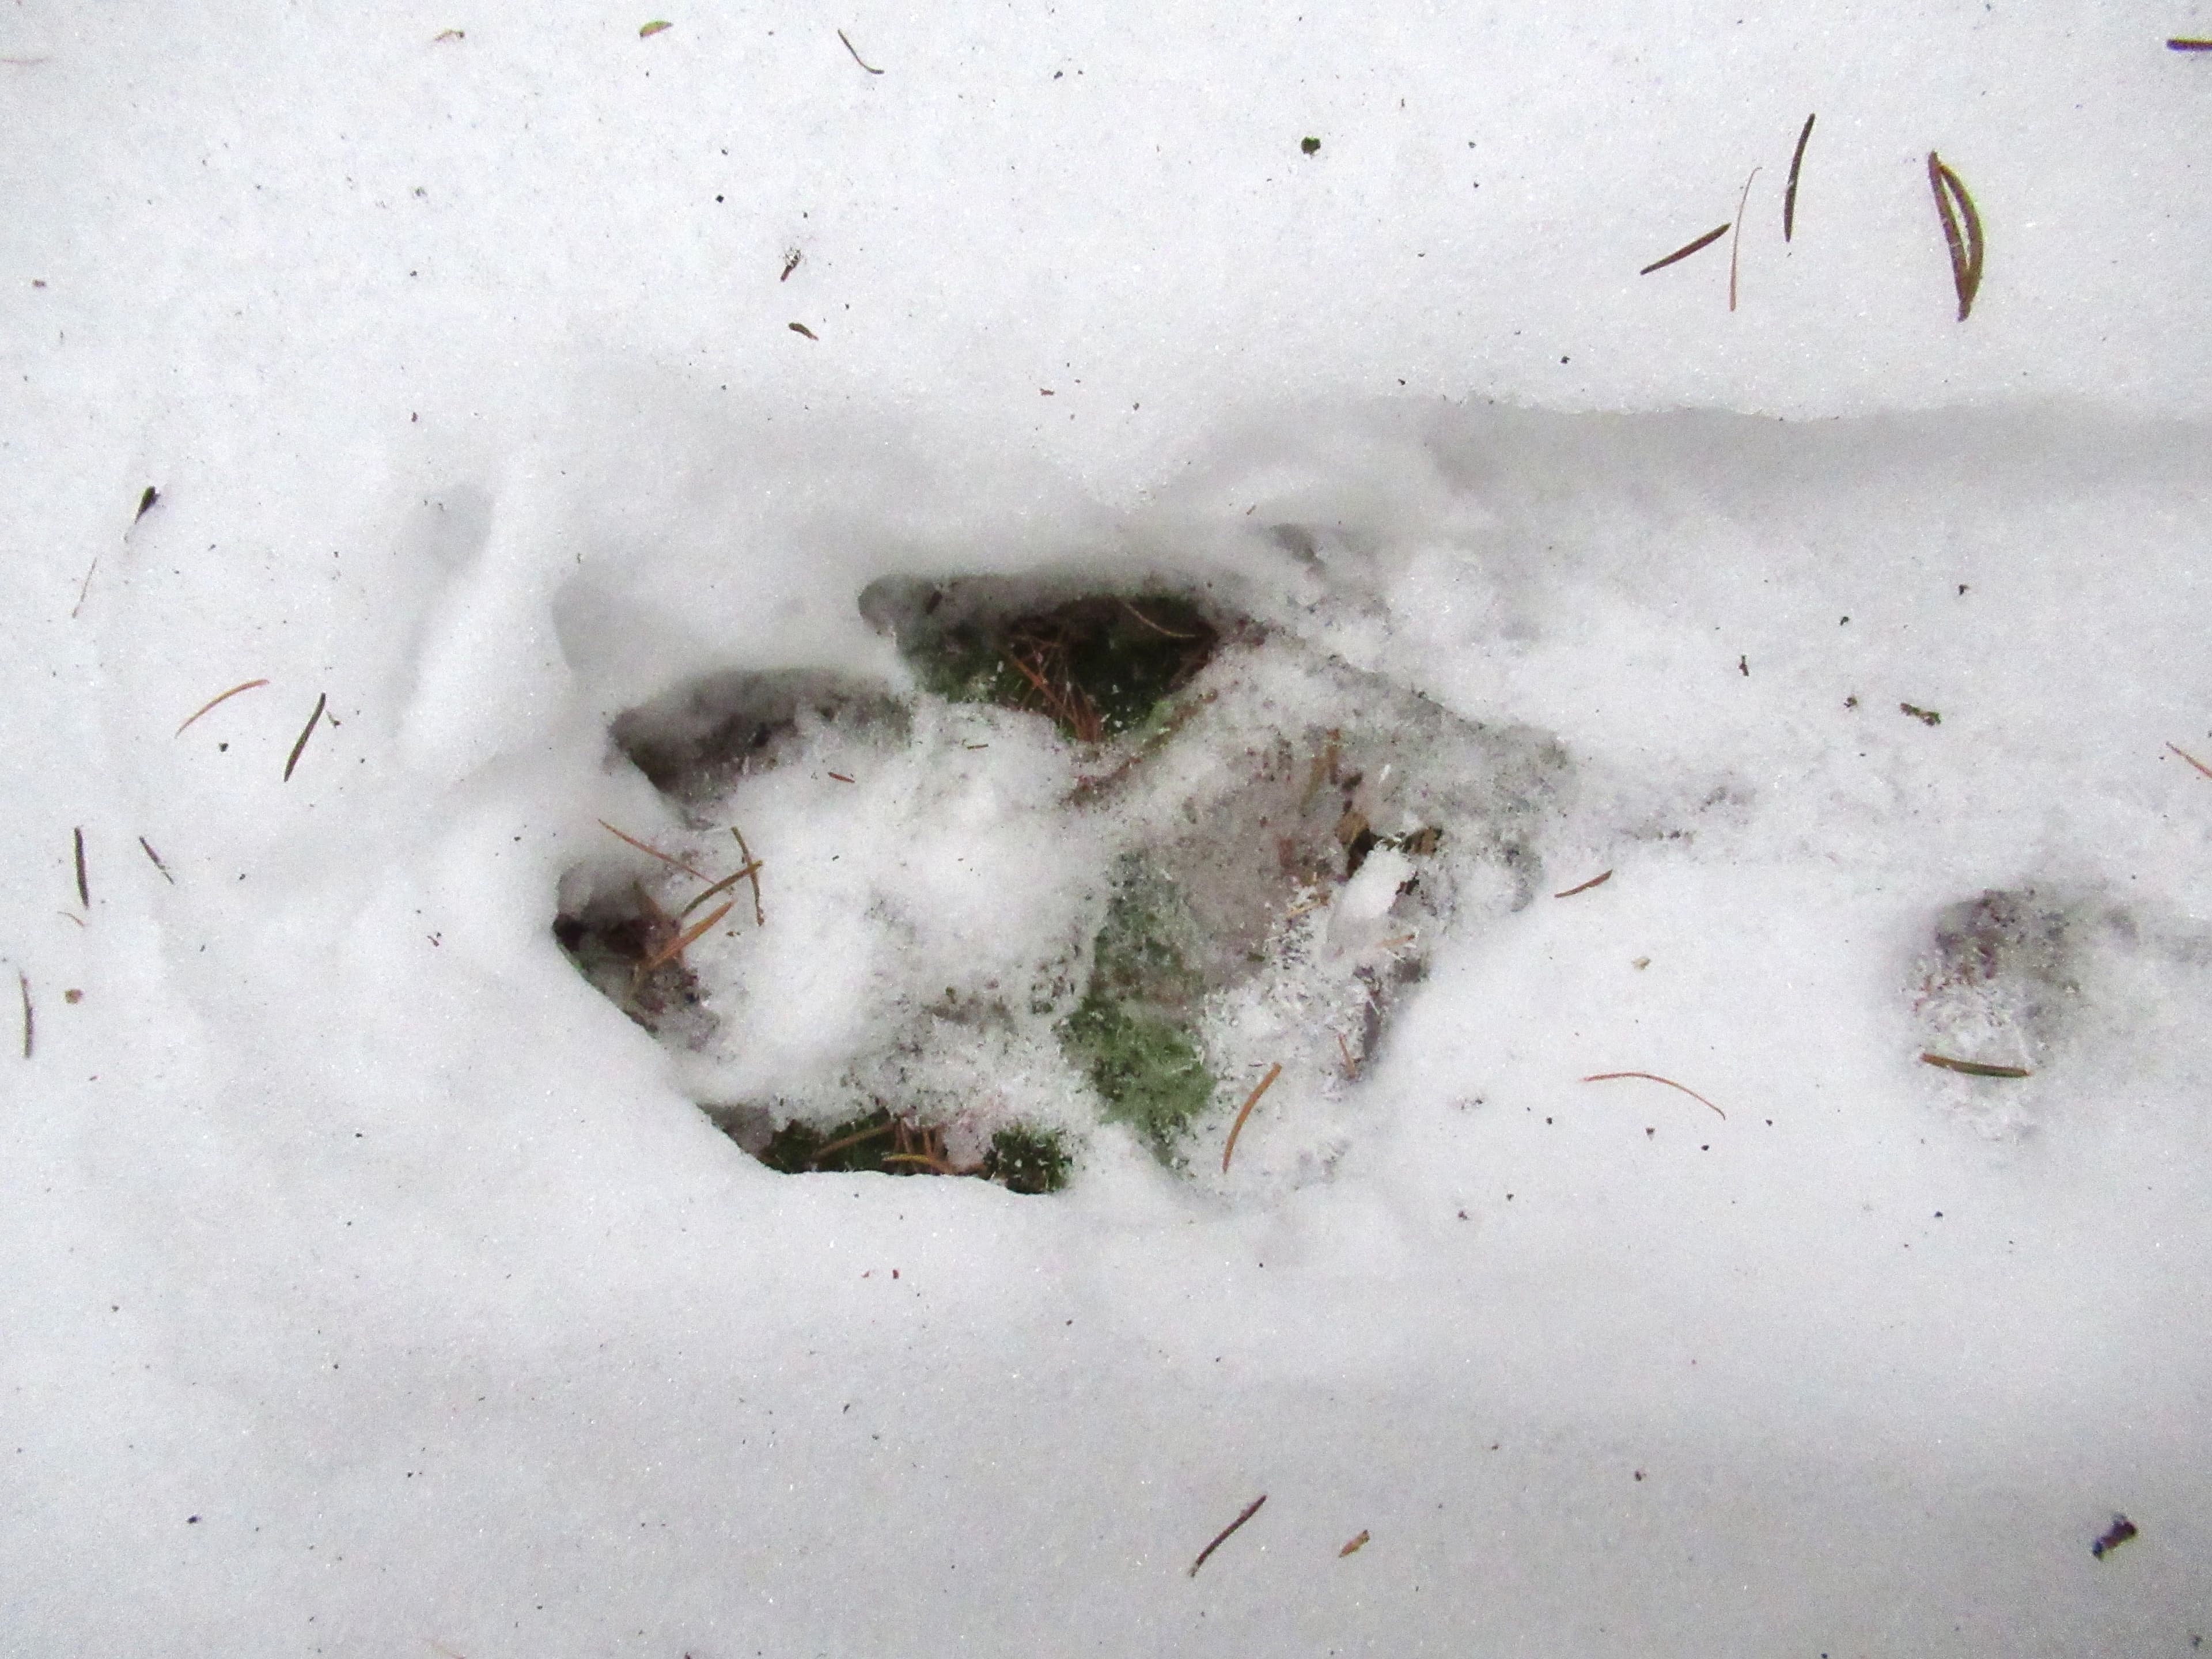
{"x": 1114, "y": 858}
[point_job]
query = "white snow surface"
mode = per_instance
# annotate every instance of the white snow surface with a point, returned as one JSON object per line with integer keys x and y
{"x": 373, "y": 1285}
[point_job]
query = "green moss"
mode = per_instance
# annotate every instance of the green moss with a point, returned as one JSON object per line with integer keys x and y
{"x": 1133, "y": 1032}
{"x": 1026, "y": 1160}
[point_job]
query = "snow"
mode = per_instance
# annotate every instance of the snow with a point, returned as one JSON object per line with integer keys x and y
{"x": 373, "y": 1285}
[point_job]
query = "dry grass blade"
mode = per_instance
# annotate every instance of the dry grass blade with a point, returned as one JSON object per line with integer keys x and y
{"x": 1595, "y": 881}
{"x": 1654, "y": 1077}
{"x": 1166, "y": 633}
{"x": 214, "y": 702}
{"x": 1238, "y": 1128}
{"x": 689, "y": 937}
{"x": 1790, "y": 192}
{"x": 752, "y": 872}
{"x": 722, "y": 885}
{"x": 305, "y": 731}
{"x": 673, "y": 864}
{"x": 2193, "y": 760}
{"x": 1736, "y": 240}
{"x": 852, "y": 1140}
{"x": 84, "y": 887}
{"x": 1954, "y": 205}
{"x": 157, "y": 857}
{"x": 1686, "y": 249}
{"x": 1222, "y": 1537}
{"x": 1974, "y": 1067}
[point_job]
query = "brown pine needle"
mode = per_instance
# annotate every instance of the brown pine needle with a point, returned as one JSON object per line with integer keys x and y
{"x": 1350, "y": 1065}
{"x": 1654, "y": 1077}
{"x": 2193, "y": 760}
{"x": 213, "y": 701}
{"x": 752, "y": 873}
{"x": 726, "y": 882}
{"x": 84, "y": 889}
{"x": 857, "y": 58}
{"x": 1595, "y": 881}
{"x": 1167, "y": 632}
{"x": 1355, "y": 1546}
{"x": 1974, "y": 1067}
{"x": 1952, "y": 204}
{"x": 157, "y": 857}
{"x": 305, "y": 731}
{"x": 1222, "y": 1537}
{"x": 1789, "y": 192}
{"x": 1686, "y": 249}
{"x": 30, "y": 1026}
{"x": 1235, "y": 1130}
{"x": 852, "y": 1140}
{"x": 673, "y": 864}
{"x": 689, "y": 937}
{"x": 1736, "y": 240}
{"x": 84, "y": 588}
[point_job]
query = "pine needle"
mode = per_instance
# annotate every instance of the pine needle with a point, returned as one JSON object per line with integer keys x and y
{"x": 725, "y": 883}
{"x": 157, "y": 857}
{"x": 673, "y": 864}
{"x": 857, "y": 58}
{"x": 1974, "y": 1067}
{"x": 752, "y": 872}
{"x": 213, "y": 701}
{"x": 30, "y": 1027}
{"x": 1222, "y": 1537}
{"x": 305, "y": 731}
{"x": 689, "y": 937}
{"x": 1654, "y": 1077}
{"x": 1235, "y": 1130}
{"x": 1736, "y": 240}
{"x": 1789, "y": 193}
{"x": 83, "y": 888}
{"x": 1952, "y": 204}
{"x": 2193, "y": 760}
{"x": 1686, "y": 249}
{"x": 1595, "y": 881}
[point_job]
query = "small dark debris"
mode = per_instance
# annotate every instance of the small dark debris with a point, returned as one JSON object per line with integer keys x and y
{"x": 801, "y": 328}
{"x": 791, "y": 258}
{"x": 1309, "y": 145}
{"x": 2184, "y": 45}
{"x": 2113, "y": 1536}
{"x": 1743, "y": 666}
{"x": 1925, "y": 716}
{"x": 146, "y": 503}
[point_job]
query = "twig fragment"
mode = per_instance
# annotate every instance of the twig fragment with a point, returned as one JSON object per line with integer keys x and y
{"x": 2193, "y": 760}
{"x": 1974, "y": 1067}
{"x": 857, "y": 58}
{"x": 305, "y": 731}
{"x": 1235, "y": 1130}
{"x": 249, "y": 686}
{"x": 1221, "y": 1537}
{"x": 157, "y": 857}
{"x": 83, "y": 890}
{"x": 30, "y": 1020}
{"x": 1953, "y": 204}
{"x": 1687, "y": 249}
{"x": 1356, "y": 1545}
{"x": 1654, "y": 1077}
{"x": 673, "y": 864}
{"x": 752, "y": 873}
{"x": 1595, "y": 881}
{"x": 1790, "y": 192}
{"x": 1736, "y": 240}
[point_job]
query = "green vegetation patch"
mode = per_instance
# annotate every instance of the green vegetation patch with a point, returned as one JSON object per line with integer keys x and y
{"x": 1026, "y": 1160}
{"x": 1098, "y": 667}
{"x": 1134, "y": 1033}
{"x": 1021, "y": 1158}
